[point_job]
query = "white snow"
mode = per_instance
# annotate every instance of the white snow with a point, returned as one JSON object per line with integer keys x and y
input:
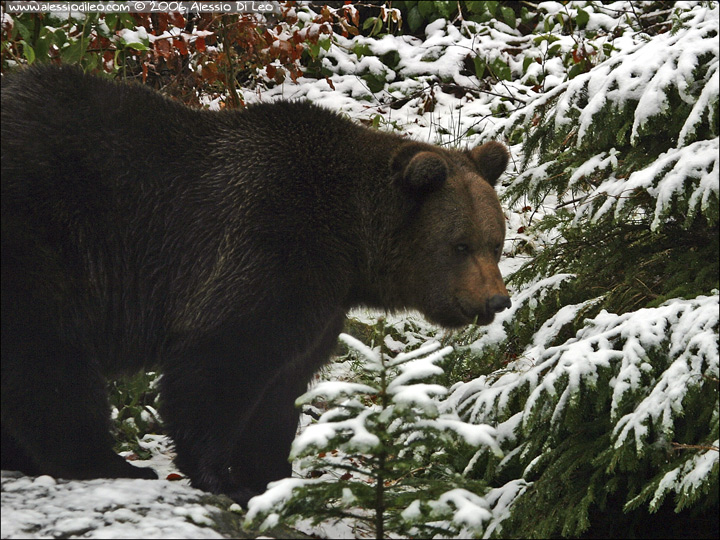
{"x": 665, "y": 178}
{"x": 276, "y": 493}
{"x": 136, "y": 37}
{"x": 689, "y": 324}
{"x": 318, "y": 435}
{"x": 43, "y": 507}
{"x": 468, "y": 508}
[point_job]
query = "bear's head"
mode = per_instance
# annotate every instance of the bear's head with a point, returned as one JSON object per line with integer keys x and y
{"x": 454, "y": 232}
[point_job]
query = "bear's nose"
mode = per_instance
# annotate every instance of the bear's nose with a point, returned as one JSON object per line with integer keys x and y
{"x": 498, "y": 302}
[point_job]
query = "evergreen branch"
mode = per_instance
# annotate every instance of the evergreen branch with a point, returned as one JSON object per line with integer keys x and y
{"x": 370, "y": 460}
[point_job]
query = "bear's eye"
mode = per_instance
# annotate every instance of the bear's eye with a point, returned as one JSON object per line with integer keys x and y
{"x": 498, "y": 251}
{"x": 462, "y": 248}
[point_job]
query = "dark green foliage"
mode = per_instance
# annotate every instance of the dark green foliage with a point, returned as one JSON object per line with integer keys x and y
{"x": 572, "y": 445}
{"x": 627, "y": 264}
{"x": 643, "y": 250}
{"x": 420, "y": 14}
{"x": 134, "y": 401}
{"x": 593, "y": 428}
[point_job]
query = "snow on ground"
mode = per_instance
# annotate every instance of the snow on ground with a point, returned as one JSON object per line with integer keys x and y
{"x": 44, "y": 507}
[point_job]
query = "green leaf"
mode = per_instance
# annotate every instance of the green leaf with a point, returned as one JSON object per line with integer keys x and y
{"x": 526, "y": 63}
{"x": 576, "y": 70}
{"x": 391, "y": 59}
{"x": 89, "y": 24}
{"x": 554, "y": 50}
{"x": 369, "y": 22}
{"x": 376, "y": 83}
{"x": 525, "y": 14}
{"x": 28, "y": 51}
{"x": 415, "y": 20}
{"x": 73, "y": 53}
{"x": 508, "y": 16}
{"x": 24, "y": 32}
{"x": 60, "y": 37}
{"x": 361, "y": 50}
{"x": 426, "y": 9}
{"x": 445, "y": 9}
{"x": 42, "y": 46}
{"x": 475, "y": 7}
{"x": 546, "y": 37}
{"x": 137, "y": 45}
{"x": 479, "y": 67}
{"x": 501, "y": 70}
{"x": 492, "y": 6}
{"x": 608, "y": 48}
{"x": 377, "y": 27}
{"x": 547, "y": 26}
{"x": 314, "y": 49}
{"x": 582, "y": 18}
{"x": 92, "y": 63}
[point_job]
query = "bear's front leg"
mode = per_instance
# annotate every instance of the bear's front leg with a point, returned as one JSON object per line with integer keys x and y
{"x": 232, "y": 414}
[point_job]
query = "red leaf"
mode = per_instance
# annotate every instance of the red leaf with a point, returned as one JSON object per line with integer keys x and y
{"x": 180, "y": 46}
{"x": 108, "y": 61}
{"x": 162, "y": 19}
{"x": 162, "y": 47}
{"x": 176, "y": 19}
{"x": 174, "y": 476}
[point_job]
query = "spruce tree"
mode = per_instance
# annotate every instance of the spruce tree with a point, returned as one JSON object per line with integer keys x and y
{"x": 610, "y": 402}
{"x": 379, "y": 454}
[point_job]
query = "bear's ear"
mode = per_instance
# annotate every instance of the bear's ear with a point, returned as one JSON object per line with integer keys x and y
{"x": 421, "y": 170}
{"x": 490, "y": 159}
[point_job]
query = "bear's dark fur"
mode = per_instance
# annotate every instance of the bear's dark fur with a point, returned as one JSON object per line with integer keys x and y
{"x": 223, "y": 247}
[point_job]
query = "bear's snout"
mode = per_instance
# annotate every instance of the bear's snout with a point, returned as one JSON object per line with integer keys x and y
{"x": 481, "y": 312}
{"x": 497, "y": 303}
{"x": 480, "y": 292}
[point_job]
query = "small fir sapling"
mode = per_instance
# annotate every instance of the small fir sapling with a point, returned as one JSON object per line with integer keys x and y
{"x": 379, "y": 454}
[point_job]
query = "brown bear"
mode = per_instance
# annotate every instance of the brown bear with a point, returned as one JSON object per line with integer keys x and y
{"x": 225, "y": 248}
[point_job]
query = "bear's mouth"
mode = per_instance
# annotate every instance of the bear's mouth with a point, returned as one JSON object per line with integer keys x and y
{"x": 479, "y": 317}
{"x": 459, "y": 316}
